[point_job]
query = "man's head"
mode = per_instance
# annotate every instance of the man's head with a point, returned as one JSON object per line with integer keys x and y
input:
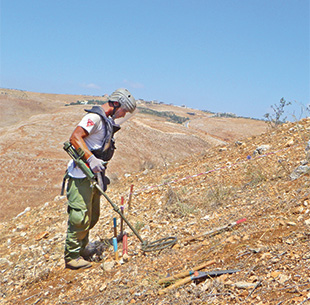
{"x": 124, "y": 98}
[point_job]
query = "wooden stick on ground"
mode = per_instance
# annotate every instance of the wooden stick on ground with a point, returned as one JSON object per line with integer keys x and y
{"x": 186, "y": 273}
{"x": 175, "y": 285}
{"x": 214, "y": 231}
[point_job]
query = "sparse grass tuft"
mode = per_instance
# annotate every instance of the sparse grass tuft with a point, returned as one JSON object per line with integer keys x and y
{"x": 139, "y": 225}
{"x": 255, "y": 175}
{"x": 178, "y": 205}
{"x": 216, "y": 195}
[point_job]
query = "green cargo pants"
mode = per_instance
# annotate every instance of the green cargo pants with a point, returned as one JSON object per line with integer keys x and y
{"x": 84, "y": 212}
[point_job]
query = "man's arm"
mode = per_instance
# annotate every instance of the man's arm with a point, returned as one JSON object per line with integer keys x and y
{"x": 77, "y": 140}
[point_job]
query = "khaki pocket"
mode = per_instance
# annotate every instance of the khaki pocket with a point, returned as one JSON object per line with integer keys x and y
{"x": 77, "y": 217}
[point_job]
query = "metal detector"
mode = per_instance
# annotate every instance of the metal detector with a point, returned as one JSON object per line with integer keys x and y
{"x": 77, "y": 156}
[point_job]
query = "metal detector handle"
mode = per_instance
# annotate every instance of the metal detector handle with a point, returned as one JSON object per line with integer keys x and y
{"x": 77, "y": 156}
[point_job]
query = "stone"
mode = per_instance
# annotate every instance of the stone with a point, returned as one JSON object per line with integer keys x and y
{"x": 41, "y": 235}
{"x": 24, "y": 212}
{"x": 307, "y": 222}
{"x": 283, "y": 278}
{"x": 244, "y": 285}
{"x": 108, "y": 266}
{"x": 103, "y": 287}
{"x": 289, "y": 143}
{"x": 299, "y": 171}
{"x": 259, "y": 150}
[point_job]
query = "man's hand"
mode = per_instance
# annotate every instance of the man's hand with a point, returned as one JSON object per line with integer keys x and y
{"x": 95, "y": 164}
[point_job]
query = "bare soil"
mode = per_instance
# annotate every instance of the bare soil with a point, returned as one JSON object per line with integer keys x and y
{"x": 187, "y": 198}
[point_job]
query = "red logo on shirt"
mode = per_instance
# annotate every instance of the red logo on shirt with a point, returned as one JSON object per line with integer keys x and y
{"x": 90, "y": 123}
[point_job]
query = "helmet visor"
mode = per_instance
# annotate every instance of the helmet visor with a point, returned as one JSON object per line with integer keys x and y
{"x": 128, "y": 115}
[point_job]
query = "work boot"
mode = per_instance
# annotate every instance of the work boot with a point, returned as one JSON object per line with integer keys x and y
{"x": 78, "y": 263}
{"x": 86, "y": 254}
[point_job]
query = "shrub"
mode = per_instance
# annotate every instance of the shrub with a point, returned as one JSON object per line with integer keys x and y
{"x": 276, "y": 118}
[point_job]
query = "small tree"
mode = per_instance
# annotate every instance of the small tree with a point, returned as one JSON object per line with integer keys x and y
{"x": 276, "y": 118}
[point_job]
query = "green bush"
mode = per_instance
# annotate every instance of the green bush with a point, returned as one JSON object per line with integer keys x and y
{"x": 171, "y": 117}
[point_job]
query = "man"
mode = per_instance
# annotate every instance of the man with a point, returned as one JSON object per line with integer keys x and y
{"x": 94, "y": 134}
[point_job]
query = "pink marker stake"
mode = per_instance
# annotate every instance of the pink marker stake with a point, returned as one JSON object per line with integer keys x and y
{"x": 240, "y": 220}
{"x": 125, "y": 244}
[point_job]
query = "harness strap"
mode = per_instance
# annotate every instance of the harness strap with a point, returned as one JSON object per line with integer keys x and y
{"x": 64, "y": 180}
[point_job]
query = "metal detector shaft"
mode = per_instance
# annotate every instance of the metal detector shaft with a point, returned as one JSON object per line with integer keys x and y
{"x": 77, "y": 156}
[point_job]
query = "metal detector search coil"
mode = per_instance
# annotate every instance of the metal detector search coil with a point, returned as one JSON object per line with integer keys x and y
{"x": 158, "y": 244}
{"x": 77, "y": 156}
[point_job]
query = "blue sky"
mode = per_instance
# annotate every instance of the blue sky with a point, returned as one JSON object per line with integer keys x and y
{"x": 239, "y": 56}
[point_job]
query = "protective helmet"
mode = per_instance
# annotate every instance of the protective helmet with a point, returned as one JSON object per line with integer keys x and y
{"x": 124, "y": 97}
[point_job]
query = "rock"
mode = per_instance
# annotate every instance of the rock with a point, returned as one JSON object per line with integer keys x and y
{"x": 176, "y": 246}
{"x": 274, "y": 274}
{"x": 108, "y": 266}
{"x": 283, "y": 278}
{"x": 307, "y": 222}
{"x": 299, "y": 171}
{"x": 289, "y": 143}
{"x": 291, "y": 223}
{"x": 46, "y": 204}
{"x": 206, "y": 285}
{"x": 207, "y": 217}
{"x": 22, "y": 213}
{"x": 58, "y": 198}
{"x": 145, "y": 172}
{"x": 20, "y": 227}
{"x": 41, "y": 235}
{"x": 289, "y": 241}
{"x": 259, "y": 150}
{"x": 304, "y": 162}
{"x": 5, "y": 261}
{"x": 103, "y": 287}
{"x": 126, "y": 257}
{"x": 244, "y": 285}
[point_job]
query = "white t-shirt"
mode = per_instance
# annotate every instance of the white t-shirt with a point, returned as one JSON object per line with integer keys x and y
{"x": 93, "y": 124}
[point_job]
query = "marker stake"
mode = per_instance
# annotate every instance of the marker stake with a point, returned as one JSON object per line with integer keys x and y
{"x": 125, "y": 244}
{"x": 115, "y": 227}
{"x": 115, "y": 248}
{"x": 122, "y": 211}
{"x": 130, "y": 196}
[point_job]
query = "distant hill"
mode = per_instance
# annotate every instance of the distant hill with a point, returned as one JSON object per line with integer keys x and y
{"x": 34, "y": 127}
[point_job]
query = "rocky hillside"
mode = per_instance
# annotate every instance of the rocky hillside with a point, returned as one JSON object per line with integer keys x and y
{"x": 198, "y": 200}
{"x": 34, "y": 127}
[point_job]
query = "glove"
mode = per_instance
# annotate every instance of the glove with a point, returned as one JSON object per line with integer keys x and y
{"x": 95, "y": 164}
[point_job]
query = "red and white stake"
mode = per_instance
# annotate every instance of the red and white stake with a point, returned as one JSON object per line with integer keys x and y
{"x": 130, "y": 196}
